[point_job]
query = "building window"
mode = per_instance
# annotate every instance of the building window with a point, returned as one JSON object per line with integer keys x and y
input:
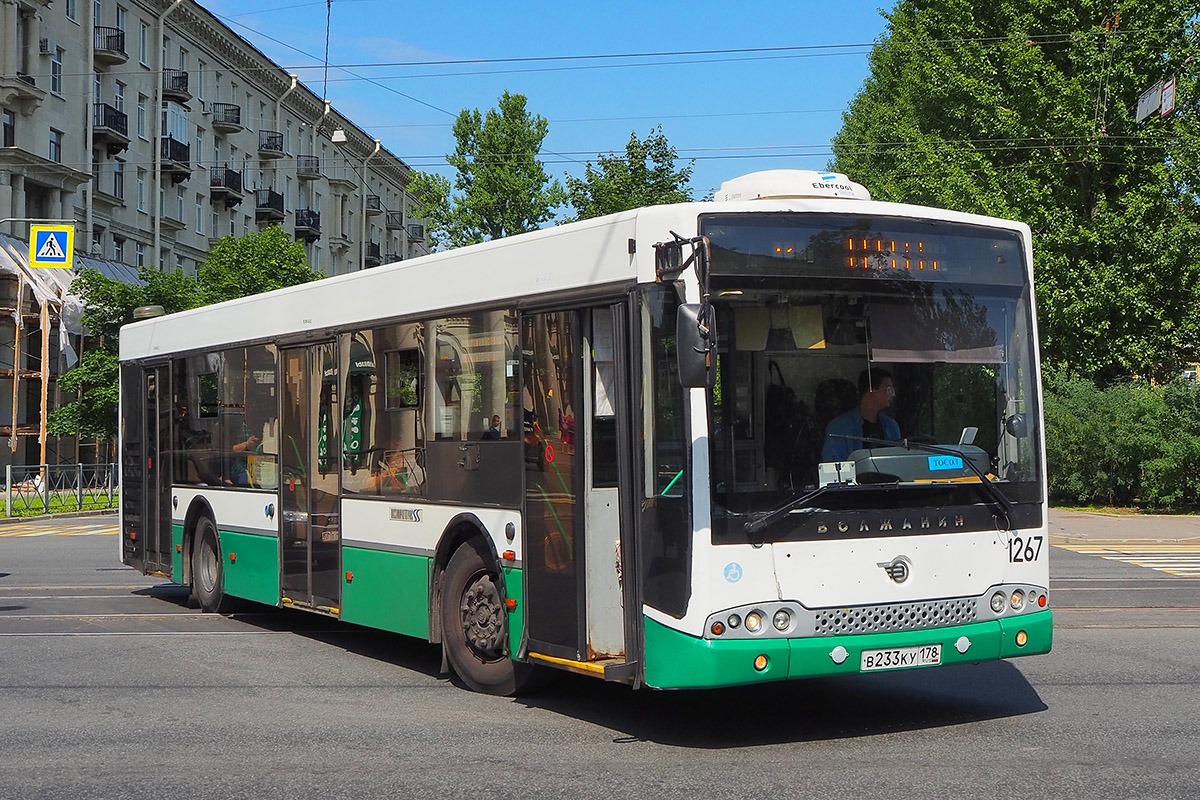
{"x": 143, "y": 43}
{"x": 179, "y": 204}
{"x": 10, "y": 129}
{"x": 118, "y": 250}
{"x": 119, "y": 97}
{"x": 141, "y": 190}
{"x": 200, "y": 81}
{"x": 121, "y": 19}
{"x": 200, "y": 213}
{"x": 118, "y": 178}
{"x": 56, "y": 142}
{"x": 97, "y": 88}
{"x": 71, "y": 10}
{"x": 97, "y": 17}
{"x": 96, "y": 169}
{"x": 56, "y": 71}
{"x": 141, "y": 116}
{"x": 198, "y": 155}
{"x": 139, "y": 255}
{"x": 216, "y": 224}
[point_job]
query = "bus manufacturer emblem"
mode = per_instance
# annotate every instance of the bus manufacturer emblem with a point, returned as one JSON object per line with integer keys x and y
{"x": 897, "y": 569}
{"x": 406, "y": 514}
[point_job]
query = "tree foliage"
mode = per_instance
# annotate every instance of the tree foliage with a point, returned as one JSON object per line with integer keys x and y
{"x": 258, "y": 262}
{"x": 646, "y": 175}
{"x": 1025, "y": 109}
{"x": 500, "y": 187}
{"x": 236, "y": 267}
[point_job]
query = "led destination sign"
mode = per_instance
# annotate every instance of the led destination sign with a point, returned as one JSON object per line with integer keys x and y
{"x": 839, "y": 246}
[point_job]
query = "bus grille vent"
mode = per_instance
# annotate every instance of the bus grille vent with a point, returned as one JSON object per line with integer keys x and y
{"x": 898, "y": 617}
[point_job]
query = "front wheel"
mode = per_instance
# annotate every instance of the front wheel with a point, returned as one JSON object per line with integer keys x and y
{"x": 208, "y": 574}
{"x": 475, "y": 625}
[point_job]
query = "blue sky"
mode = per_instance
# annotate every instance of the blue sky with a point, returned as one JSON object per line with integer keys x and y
{"x": 734, "y": 112}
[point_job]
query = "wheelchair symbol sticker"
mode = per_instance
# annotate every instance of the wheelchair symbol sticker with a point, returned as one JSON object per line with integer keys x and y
{"x": 733, "y": 572}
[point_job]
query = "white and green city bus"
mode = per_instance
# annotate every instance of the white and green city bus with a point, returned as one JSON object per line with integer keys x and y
{"x": 598, "y": 447}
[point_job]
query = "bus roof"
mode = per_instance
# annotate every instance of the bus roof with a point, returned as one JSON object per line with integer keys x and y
{"x": 612, "y": 251}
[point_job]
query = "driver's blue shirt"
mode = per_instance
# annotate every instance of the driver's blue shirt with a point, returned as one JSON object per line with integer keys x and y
{"x": 851, "y": 424}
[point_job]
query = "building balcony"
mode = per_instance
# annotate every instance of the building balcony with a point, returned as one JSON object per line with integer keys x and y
{"x": 392, "y": 258}
{"x": 308, "y": 168}
{"x": 176, "y": 159}
{"x": 394, "y": 221}
{"x": 308, "y": 224}
{"x": 226, "y": 117}
{"x": 110, "y": 127}
{"x": 341, "y": 177}
{"x": 175, "y": 85}
{"x": 268, "y": 206}
{"x": 109, "y": 45}
{"x": 373, "y": 205}
{"x": 225, "y": 186}
{"x": 270, "y": 144}
{"x": 416, "y": 232}
{"x": 372, "y": 257}
{"x": 21, "y": 91}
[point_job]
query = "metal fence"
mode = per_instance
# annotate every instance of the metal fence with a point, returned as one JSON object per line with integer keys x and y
{"x": 59, "y": 488}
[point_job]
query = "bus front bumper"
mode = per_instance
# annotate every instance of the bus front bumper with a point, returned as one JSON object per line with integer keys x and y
{"x": 675, "y": 660}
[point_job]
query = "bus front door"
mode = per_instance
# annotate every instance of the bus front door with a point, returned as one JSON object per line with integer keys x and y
{"x": 572, "y": 405}
{"x": 310, "y": 475}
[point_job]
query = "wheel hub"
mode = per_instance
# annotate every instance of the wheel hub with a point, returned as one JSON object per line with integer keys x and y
{"x": 483, "y": 617}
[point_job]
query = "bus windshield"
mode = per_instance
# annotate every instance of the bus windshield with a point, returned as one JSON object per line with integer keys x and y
{"x": 868, "y": 364}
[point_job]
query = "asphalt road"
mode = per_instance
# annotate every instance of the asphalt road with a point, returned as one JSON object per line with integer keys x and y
{"x": 111, "y": 686}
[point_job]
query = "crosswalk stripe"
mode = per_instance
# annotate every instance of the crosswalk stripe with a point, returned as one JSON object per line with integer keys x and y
{"x": 93, "y": 530}
{"x": 1181, "y": 560}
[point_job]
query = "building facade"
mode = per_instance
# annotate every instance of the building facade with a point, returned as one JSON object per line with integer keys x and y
{"x": 158, "y": 130}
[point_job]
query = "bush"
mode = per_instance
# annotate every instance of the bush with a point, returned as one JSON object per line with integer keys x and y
{"x": 1130, "y": 444}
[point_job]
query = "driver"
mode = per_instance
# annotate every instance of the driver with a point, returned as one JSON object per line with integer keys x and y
{"x": 866, "y": 420}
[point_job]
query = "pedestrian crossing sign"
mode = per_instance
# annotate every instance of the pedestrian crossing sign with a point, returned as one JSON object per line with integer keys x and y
{"x": 51, "y": 245}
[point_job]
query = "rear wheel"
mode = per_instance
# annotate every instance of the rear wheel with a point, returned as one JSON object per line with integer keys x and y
{"x": 208, "y": 574}
{"x": 475, "y": 625}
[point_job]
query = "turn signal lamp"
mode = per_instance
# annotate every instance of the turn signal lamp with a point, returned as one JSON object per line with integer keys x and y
{"x": 754, "y": 621}
{"x": 1022, "y": 638}
{"x": 760, "y": 663}
{"x": 510, "y": 555}
{"x": 233, "y": 558}
{"x": 511, "y": 603}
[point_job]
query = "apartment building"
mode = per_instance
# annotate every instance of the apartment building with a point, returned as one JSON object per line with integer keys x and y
{"x": 159, "y": 130}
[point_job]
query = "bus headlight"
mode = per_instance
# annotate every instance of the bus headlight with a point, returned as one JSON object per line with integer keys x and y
{"x": 782, "y": 620}
{"x": 998, "y": 602}
{"x": 754, "y": 621}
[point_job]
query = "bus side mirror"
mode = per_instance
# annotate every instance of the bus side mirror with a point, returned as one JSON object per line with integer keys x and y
{"x": 694, "y": 350}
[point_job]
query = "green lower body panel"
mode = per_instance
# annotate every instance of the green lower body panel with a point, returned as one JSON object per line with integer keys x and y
{"x": 251, "y": 565}
{"x": 384, "y": 590}
{"x": 177, "y": 553}
{"x": 676, "y": 660}
{"x": 514, "y": 587}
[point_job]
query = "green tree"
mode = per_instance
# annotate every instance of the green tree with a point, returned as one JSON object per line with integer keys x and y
{"x": 645, "y": 175}
{"x": 236, "y": 267}
{"x": 1025, "y": 109}
{"x": 500, "y": 188}
{"x": 254, "y": 263}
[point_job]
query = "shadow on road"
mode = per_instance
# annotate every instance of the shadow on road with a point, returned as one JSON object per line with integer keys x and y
{"x": 806, "y": 710}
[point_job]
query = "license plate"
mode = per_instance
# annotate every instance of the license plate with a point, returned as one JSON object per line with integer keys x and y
{"x": 926, "y": 655}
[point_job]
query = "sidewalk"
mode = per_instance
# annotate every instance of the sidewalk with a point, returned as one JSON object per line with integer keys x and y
{"x": 1078, "y": 527}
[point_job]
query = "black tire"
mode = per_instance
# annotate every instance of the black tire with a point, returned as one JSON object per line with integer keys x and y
{"x": 208, "y": 573}
{"x": 475, "y": 625}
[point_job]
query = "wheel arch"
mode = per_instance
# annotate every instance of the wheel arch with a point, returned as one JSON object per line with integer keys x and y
{"x": 462, "y": 528}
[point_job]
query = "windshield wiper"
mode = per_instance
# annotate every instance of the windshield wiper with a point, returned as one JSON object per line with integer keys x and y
{"x": 989, "y": 488}
{"x": 758, "y": 523}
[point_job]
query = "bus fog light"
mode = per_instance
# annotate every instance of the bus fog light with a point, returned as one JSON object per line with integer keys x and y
{"x": 1022, "y": 638}
{"x": 998, "y": 602}
{"x": 734, "y": 621}
{"x": 754, "y": 621}
{"x": 760, "y": 663}
{"x": 782, "y": 620}
{"x": 1017, "y": 600}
